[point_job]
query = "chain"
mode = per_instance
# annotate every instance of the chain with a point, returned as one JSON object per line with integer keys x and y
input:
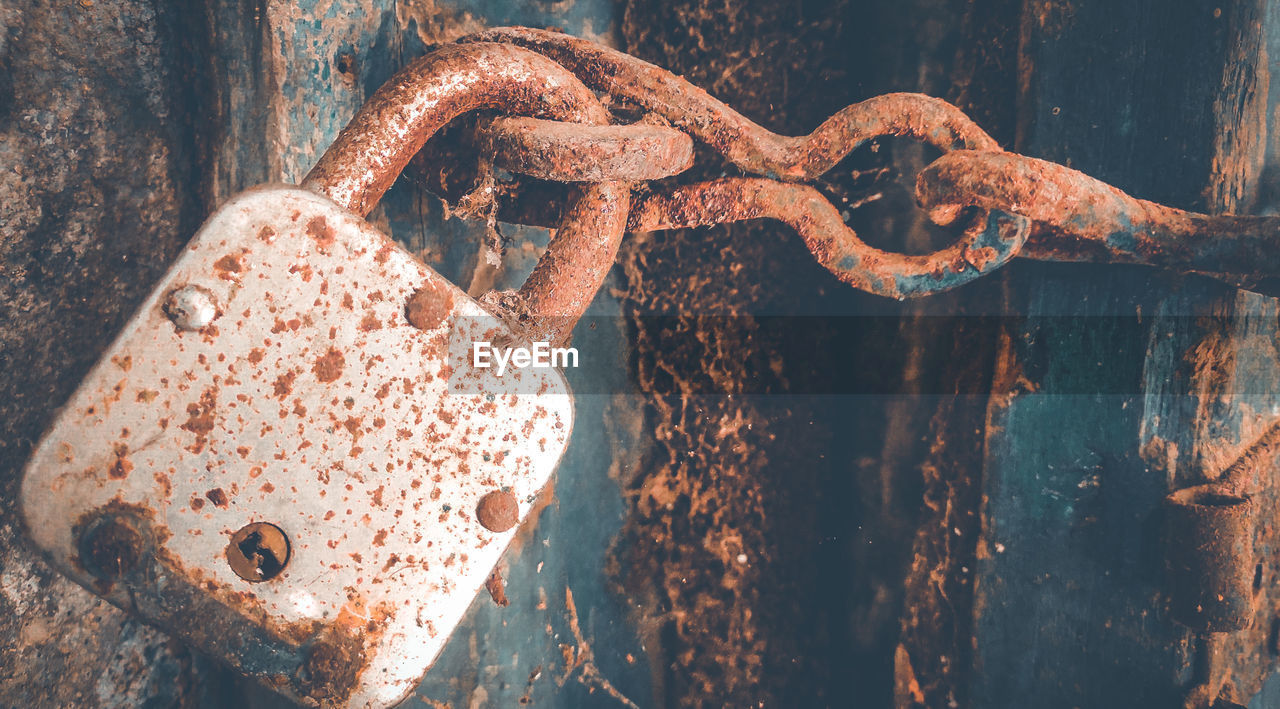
{"x": 1073, "y": 216}
{"x": 1002, "y": 205}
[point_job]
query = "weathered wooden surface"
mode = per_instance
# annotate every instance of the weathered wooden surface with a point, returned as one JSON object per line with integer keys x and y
{"x": 1104, "y": 400}
{"x": 97, "y": 191}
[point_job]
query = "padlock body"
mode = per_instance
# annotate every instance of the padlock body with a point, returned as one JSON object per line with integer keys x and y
{"x": 319, "y": 402}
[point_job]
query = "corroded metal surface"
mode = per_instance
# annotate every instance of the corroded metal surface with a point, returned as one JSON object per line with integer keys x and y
{"x": 1086, "y": 219}
{"x": 313, "y": 404}
{"x": 107, "y": 542}
{"x": 374, "y": 148}
{"x": 989, "y": 241}
{"x": 751, "y": 147}
{"x": 744, "y": 142}
{"x": 396, "y": 122}
{"x": 1080, "y": 218}
{"x": 568, "y": 152}
{"x": 1212, "y": 531}
{"x": 1210, "y": 559}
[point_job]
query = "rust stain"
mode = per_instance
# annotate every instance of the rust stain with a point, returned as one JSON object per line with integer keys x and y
{"x": 399, "y": 118}
{"x": 121, "y": 467}
{"x": 743, "y": 142}
{"x": 230, "y": 267}
{"x": 318, "y": 228}
{"x": 497, "y": 588}
{"x": 1079, "y": 218}
{"x": 200, "y": 418}
{"x": 580, "y": 658}
{"x": 283, "y": 385}
{"x": 217, "y": 497}
{"x": 332, "y": 666}
{"x": 429, "y": 306}
{"x": 568, "y": 152}
{"x": 328, "y": 368}
{"x": 498, "y": 511}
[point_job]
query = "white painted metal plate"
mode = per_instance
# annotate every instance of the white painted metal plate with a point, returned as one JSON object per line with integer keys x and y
{"x": 310, "y": 402}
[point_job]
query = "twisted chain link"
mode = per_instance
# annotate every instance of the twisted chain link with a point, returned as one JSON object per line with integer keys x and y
{"x": 554, "y": 127}
{"x": 1009, "y": 205}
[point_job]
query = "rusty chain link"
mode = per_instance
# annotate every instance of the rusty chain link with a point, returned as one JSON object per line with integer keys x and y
{"x": 1003, "y": 204}
{"x": 397, "y": 120}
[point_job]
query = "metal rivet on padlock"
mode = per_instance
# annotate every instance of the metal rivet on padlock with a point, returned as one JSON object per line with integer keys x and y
{"x": 111, "y": 546}
{"x": 191, "y": 307}
{"x": 498, "y": 511}
{"x": 296, "y": 467}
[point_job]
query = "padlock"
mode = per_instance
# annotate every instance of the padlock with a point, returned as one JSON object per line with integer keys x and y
{"x": 288, "y": 457}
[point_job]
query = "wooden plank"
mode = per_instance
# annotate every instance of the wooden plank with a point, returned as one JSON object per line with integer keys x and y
{"x": 1070, "y": 604}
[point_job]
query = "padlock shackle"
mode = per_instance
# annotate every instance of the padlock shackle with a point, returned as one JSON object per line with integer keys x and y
{"x": 421, "y": 98}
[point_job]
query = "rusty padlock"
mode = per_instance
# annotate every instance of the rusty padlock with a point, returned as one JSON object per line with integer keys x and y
{"x": 287, "y": 457}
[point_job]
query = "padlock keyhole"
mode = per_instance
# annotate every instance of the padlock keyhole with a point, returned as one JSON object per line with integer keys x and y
{"x": 258, "y": 552}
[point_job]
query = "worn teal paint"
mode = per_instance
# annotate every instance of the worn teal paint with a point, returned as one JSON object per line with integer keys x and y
{"x": 1069, "y": 607}
{"x": 1069, "y": 589}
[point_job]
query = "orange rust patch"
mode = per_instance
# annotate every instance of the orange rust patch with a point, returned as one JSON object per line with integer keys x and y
{"x": 120, "y": 469}
{"x": 163, "y": 481}
{"x": 329, "y": 366}
{"x": 217, "y": 497}
{"x": 230, "y": 267}
{"x": 303, "y": 270}
{"x": 283, "y": 385}
{"x": 200, "y": 418}
{"x": 496, "y": 588}
{"x": 429, "y": 306}
{"x": 498, "y": 511}
{"x": 325, "y": 236}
